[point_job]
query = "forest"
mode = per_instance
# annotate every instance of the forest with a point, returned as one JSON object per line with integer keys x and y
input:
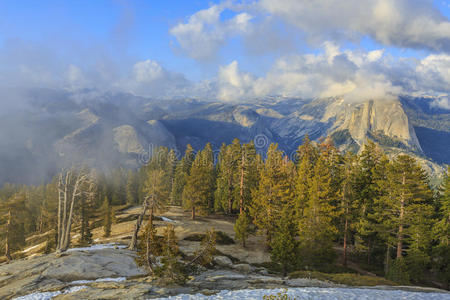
{"x": 314, "y": 209}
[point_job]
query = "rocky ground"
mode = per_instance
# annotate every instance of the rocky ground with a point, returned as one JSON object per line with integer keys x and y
{"x": 108, "y": 271}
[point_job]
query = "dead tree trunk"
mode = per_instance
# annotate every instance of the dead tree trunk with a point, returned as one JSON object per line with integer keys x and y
{"x": 7, "y": 246}
{"x": 137, "y": 227}
{"x": 69, "y": 190}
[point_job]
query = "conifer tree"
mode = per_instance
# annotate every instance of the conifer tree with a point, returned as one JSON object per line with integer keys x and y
{"x": 247, "y": 175}
{"x": 171, "y": 269}
{"x": 241, "y": 227}
{"x": 198, "y": 193}
{"x": 86, "y": 207}
{"x": 275, "y": 189}
{"x": 226, "y": 168}
{"x": 182, "y": 171}
{"x": 372, "y": 166}
{"x": 316, "y": 230}
{"x": 441, "y": 251}
{"x": 205, "y": 254}
{"x": 13, "y": 213}
{"x": 404, "y": 211}
{"x": 118, "y": 187}
{"x": 107, "y": 217}
{"x": 442, "y": 228}
{"x": 347, "y": 206}
{"x": 284, "y": 244}
{"x": 156, "y": 192}
{"x": 306, "y": 157}
{"x": 132, "y": 188}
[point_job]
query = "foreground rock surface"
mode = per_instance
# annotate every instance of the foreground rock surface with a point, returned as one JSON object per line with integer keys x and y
{"x": 106, "y": 272}
{"x": 51, "y": 272}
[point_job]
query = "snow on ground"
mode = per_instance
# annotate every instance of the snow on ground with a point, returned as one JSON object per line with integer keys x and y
{"x": 117, "y": 279}
{"x": 167, "y": 220}
{"x": 98, "y": 247}
{"x": 319, "y": 294}
{"x": 50, "y": 295}
{"x": 31, "y": 248}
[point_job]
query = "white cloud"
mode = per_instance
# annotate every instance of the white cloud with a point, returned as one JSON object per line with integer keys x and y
{"x": 354, "y": 75}
{"x": 147, "y": 71}
{"x": 442, "y": 102}
{"x": 402, "y": 23}
{"x": 204, "y": 33}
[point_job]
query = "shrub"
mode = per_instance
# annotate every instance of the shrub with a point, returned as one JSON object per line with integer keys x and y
{"x": 398, "y": 271}
{"x": 279, "y": 296}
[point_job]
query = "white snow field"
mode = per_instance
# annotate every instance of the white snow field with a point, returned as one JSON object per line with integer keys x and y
{"x": 318, "y": 294}
{"x": 50, "y": 295}
{"x": 116, "y": 279}
{"x": 98, "y": 247}
{"x": 168, "y": 220}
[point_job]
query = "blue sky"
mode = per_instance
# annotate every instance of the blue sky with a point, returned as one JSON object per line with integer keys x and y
{"x": 82, "y": 32}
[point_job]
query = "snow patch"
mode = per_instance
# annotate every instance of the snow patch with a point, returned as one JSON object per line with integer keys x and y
{"x": 98, "y": 247}
{"x": 50, "y": 295}
{"x": 168, "y": 220}
{"x": 31, "y": 248}
{"x": 117, "y": 279}
{"x": 318, "y": 293}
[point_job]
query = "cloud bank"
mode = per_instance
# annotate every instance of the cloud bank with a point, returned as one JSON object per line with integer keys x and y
{"x": 325, "y": 68}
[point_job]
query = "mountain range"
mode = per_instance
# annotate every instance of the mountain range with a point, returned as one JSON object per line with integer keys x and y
{"x": 55, "y": 128}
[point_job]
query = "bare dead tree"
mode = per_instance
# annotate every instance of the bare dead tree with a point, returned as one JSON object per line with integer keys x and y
{"x": 71, "y": 186}
{"x": 137, "y": 227}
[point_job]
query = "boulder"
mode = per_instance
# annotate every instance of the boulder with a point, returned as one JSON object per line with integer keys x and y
{"x": 243, "y": 268}
{"x": 223, "y": 261}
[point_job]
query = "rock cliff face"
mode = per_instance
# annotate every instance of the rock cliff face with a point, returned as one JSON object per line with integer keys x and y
{"x": 373, "y": 118}
{"x": 114, "y": 130}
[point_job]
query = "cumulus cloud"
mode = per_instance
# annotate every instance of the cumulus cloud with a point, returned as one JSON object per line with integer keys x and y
{"x": 205, "y": 32}
{"x": 441, "y": 102}
{"x": 353, "y": 74}
{"x": 148, "y": 78}
{"x": 402, "y": 23}
{"x": 327, "y": 74}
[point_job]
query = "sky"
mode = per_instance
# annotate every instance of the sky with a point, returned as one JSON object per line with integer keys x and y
{"x": 229, "y": 50}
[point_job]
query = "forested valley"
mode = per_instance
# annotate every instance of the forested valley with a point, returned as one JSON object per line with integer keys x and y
{"x": 317, "y": 211}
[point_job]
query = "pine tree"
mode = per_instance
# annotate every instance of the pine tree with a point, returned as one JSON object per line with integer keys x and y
{"x": 347, "y": 206}
{"x": 198, "y": 193}
{"x": 182, "y": 171}
{"x": 284, "y": 245}
{"x": 118, "y": 187}
{"x": 205, "y": 254}
{"x": 316, "y": 230}
{"x": 404, "y": 211}
{"x": 107, "y": 218}
{"x": 241, "y": 227}
{"x": 372, "y": 169}
{"x": 171, "y": 268}
{"x": 86, "y": 207}
{"x": 226, "y": 168}
{"x": 247, "y": 175}
{"x": 156, "y": 192}
{"x": 132, "y": 188}
{"x": 441, "y": 251}
{"x": 442, "y": 228}
{"x": 307, "y": 156}
{"x": 13, "y": 213}
{"x": 275, "y": 189}
{"x": 170, "y": 169}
